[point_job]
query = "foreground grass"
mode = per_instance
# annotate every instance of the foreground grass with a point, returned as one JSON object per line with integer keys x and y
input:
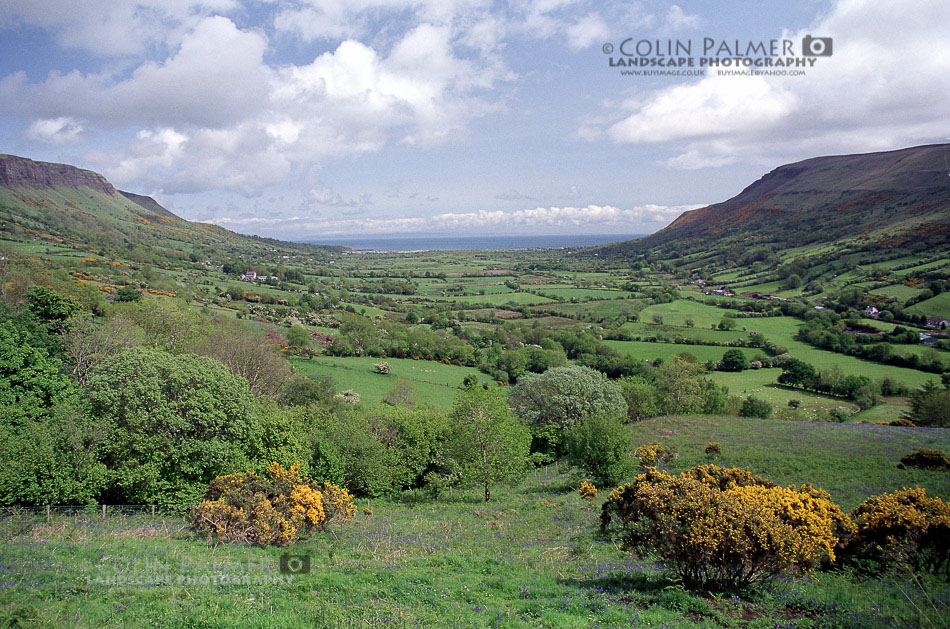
{"x": 531, "y": 557}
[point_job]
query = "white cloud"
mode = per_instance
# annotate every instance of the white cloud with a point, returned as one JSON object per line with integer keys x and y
{"x": 245, "y": 123}
{"x": 588, "y": 30}
{"x": 107, "y": 27}
{"x": 61, "y": 130}
{"x": 717, "y": 107}
{"x": 678, "y": 20}
{"x": 886, "y": 85}
{"x": 216, "y": 77}
{"x": 327, "y": 197}
{"x": 645, "y": 217}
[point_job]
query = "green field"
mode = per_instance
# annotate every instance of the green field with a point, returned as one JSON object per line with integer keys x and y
{"x": 938, "y": 306}
{"x": 581, "y": 293}
{"x": 888, "y": 410}
{"x": 435, "y": 382}
{"x": 676, "y": 312}
{"x": 646, "y": 329}
{"x": 782, "y": 330}
{"x": 761, "y": 383}
{"x": 900, "y": 292}
{"x": 665, "y": 351}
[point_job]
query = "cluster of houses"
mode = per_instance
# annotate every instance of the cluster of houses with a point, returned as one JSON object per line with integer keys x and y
{"x": 252, "y": 276}
{"x": 765, "y": 296}
{"x": 722, "y": 291}
{"x": 938, "y": 322}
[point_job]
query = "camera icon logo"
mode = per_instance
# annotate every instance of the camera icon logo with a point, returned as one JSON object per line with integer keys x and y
{"x": 816, "y": 46}
{"x": 294, "y": 564}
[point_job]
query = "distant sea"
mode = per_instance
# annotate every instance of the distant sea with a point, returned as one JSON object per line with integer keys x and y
{"x": 453, "y": 243}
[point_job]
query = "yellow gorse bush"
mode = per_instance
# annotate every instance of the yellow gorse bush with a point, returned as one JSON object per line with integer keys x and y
{"x": 717, "y": 528}
{"x": 903, "y": 528}
{"x": 271, "y": 510}
{"x": 652, "y": 454}
{"x": 587, "y": 490}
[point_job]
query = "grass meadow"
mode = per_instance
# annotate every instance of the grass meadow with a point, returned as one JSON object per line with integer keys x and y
{"x": 532, "y": 557}
{"x": 435, "y": 382}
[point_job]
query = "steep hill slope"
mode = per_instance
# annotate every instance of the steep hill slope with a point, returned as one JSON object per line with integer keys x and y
{"x": 64, "y": 204}
{"x": 893, "y": 196}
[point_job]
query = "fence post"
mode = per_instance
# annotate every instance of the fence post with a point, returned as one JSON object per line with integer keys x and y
{"x": 103, "y": 512}
{"x": 49, "y": 517}
{"x": 153, "y": 512}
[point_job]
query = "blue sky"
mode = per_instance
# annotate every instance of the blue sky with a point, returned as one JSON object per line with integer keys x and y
{"x": 304, "y": 119}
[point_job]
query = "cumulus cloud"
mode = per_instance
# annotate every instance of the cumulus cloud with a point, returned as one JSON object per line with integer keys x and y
{"x": 241, "y": 124}
{"x": 61, "y": 130}
{"x": 206, "y": 104}
{"x": 887, "y": 84}
{"x": 712, "y": 108}
{"x": 217, "y": 77}
{"x": 107, "y": 27}
{"x": 644, "y": 217}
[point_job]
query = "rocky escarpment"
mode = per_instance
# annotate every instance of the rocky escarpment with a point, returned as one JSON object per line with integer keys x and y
{"x": 21, "y": 172}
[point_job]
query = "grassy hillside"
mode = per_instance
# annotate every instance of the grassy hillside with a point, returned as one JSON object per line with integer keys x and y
{"x": 68, "y": 206}
{"x": 893, "y": 196}
{"x": 531, "y": 557}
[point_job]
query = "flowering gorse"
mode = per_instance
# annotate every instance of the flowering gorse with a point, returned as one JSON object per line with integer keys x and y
{"x": 271, "y": 510}
{"x": 724, "y": 528}
{"x": 905, "y": 528}
{"x": 587, "y": 490}
{"x": 652, "y": 454}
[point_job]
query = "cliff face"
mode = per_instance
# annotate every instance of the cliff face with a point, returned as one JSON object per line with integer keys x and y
{"x": 26, "y": 173}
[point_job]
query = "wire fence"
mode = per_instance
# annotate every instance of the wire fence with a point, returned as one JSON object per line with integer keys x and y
{"x": 165, "y": 511}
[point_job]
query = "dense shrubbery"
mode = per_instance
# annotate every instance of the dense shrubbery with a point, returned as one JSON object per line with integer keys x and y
{"x": 754, "y": 407}
{"x": 172, "y": 423}
{"x": 379, "y": 450}
{"x": 718, "y": 528}
{"x": 587, "y": 490}
{"x": 601, "y": 446}
{"x": 554, "y": 402}
{"x": 904, "y": 528}
{"x": 361, "y": 336}
{"x": 275, "y": 509}
{"x": 927, "y": 458}
{"x": 930, "y": 406}
{"x": 733, "y": 360}
{"x": 652, "y": 454}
